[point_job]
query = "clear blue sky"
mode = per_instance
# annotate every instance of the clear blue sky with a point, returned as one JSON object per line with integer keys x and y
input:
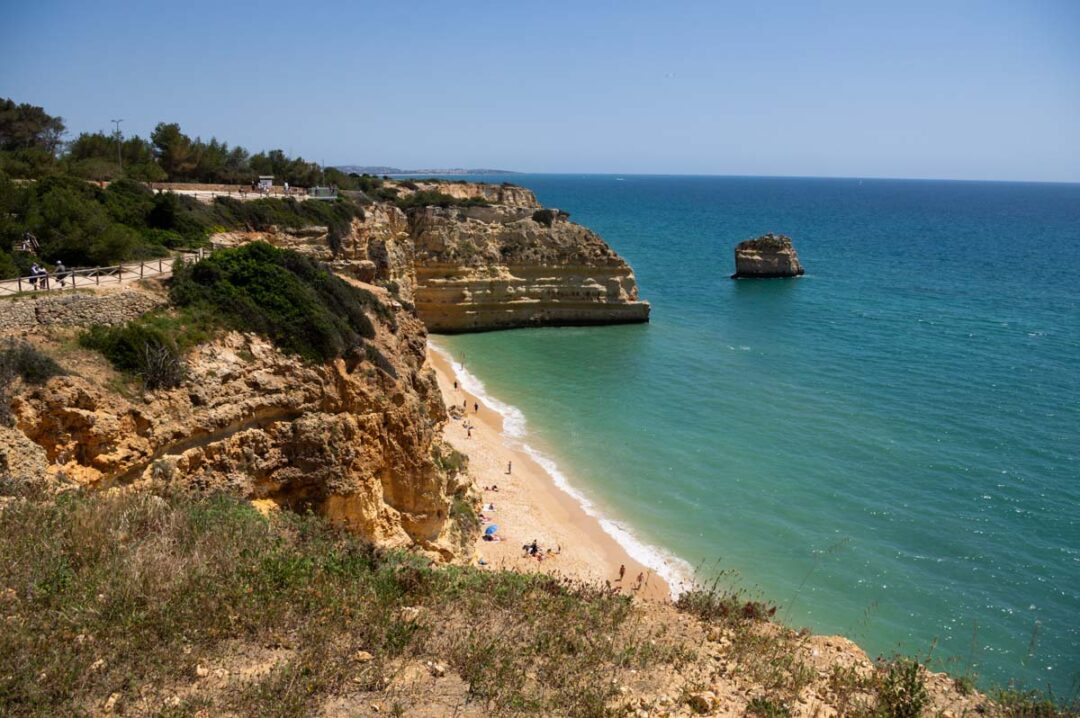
{"x": 981, "y": 90}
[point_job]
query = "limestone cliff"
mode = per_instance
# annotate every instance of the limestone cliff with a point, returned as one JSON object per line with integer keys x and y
{"x": 483, "y": 268}
{"x": 509, "y": 195}
{"x": 769, "y": 256}
{"x": 478, "y": 268}
{"x": 356, "y": 439}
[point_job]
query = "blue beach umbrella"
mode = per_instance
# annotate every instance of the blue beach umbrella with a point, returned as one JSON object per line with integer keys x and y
{"x": 490, "y": 530}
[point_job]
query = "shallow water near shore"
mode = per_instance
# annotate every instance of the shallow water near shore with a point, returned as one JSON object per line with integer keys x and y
{"x": 887, "y": 448}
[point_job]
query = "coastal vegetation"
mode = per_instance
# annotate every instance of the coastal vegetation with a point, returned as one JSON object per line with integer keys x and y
{"x": 53, "y": 191}
{"x": 22, "y": 360}
{"x": 276, "y": 293}
{"x": 176, "y": 605}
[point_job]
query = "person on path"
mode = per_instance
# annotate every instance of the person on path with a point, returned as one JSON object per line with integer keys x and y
{"x": 34, "y": 269}
{"x": 61, "y": 273}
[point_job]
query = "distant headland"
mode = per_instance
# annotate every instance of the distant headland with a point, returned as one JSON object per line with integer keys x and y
{"x": 379, "y": 170}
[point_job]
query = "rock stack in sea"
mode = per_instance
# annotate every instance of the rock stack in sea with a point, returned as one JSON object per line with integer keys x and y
{"x": 767, "y": 257}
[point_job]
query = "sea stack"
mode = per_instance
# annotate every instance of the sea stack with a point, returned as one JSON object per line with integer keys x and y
{"x": 767, "y": 257}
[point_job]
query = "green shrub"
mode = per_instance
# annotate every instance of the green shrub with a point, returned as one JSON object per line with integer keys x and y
{"x": 545, "y": 217}
{"x": 713, "y": 604}
{"x": 150, "y": 347}
{"x": 281, "y": 295}
{"x": 21, "y": 359}
{"x": 432, "y": 198}
{"x": 902, "y": 691}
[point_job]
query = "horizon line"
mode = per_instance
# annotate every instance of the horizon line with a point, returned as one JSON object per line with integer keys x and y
{"x": 744, "y": 176}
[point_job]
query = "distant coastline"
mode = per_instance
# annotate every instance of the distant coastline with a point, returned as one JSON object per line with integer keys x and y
{"x": 380, "y": 170}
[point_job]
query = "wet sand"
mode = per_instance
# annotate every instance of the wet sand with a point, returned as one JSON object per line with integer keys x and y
{"x": 529, "y": 506}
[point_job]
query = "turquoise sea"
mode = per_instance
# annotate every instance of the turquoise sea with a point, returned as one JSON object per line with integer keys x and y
{"x": 887, "y": 448}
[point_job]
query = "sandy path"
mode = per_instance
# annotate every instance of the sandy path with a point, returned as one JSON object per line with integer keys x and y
{"x": 528, "y": 504}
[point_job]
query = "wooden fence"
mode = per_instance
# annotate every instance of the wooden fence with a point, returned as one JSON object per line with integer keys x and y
{"x": 97, "y": 276}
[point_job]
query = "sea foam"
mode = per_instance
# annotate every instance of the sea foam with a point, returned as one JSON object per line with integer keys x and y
{"x": 676, "y": 572}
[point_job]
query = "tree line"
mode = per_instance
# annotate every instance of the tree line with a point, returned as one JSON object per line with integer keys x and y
{"x": 32, "y": 146}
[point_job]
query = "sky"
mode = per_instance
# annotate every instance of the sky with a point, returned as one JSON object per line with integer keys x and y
{"x": 943, "y": 89}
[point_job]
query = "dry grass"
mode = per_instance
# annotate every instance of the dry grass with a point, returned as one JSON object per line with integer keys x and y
{"x": 132, "y": 594}
{"x": 180, "y": 606}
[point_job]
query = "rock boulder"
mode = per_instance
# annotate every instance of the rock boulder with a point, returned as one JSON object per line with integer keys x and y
{"x": 767, "y": 257}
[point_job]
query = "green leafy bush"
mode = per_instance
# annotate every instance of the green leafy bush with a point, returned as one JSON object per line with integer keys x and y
{"x": 152, "y": 346}
{"x": 902, "y": 692}
{"x": 22, "y": 359}
{"x": 281, "y": 295}
{"x": 432, "y": 198}
{"x": 545, "y": 217}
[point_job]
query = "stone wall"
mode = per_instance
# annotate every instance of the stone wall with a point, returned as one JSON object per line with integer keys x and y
{"x": 74, "y": 309}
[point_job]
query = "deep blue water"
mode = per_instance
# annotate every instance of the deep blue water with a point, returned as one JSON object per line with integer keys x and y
{"x": 888, "y": 447}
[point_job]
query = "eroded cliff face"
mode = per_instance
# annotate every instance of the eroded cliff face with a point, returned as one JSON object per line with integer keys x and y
{"x": 478, "y": 268}
{"x": 484, "y": 268}
{"x": 354, "y": 439}
{"x": 509, "y": 195}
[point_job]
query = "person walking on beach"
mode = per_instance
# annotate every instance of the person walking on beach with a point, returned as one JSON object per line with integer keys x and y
{"x": 476, "y": 408}
{"x": 509, "y": 466}
{"x": 455, "y": 384}
{"x": 622, "y": 571}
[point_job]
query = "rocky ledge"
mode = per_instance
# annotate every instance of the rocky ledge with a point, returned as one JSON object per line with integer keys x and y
{"x": 484, "y": 268}
{"x": 767, "y": 257}
{"x": 504, "y": 263}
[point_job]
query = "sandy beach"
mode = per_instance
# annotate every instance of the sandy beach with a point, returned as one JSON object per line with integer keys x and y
{"x": 529, "y": 506}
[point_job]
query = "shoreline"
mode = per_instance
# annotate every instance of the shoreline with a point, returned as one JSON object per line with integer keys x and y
{"x": 530, "y": 504}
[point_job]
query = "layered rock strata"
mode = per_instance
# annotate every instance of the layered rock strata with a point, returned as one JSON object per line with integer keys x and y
{"x": 484, "y": 268}
{"x": 769, "y": 256}
{"x": 356, "y": 439}
{"x": 479, "y": 268}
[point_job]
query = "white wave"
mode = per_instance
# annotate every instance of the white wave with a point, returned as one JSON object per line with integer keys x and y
{"x": 513, "y": 419}
{"x": 676, "y": 572}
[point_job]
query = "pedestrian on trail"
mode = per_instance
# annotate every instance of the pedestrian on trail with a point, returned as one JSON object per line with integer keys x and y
{"x": 34, "y": 269}
{"x": 61, "y": 273}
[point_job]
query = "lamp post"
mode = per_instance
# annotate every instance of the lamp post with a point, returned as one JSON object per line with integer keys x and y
{"x": 119, "y": 144}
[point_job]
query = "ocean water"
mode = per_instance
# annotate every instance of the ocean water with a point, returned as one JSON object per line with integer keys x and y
{"x": 887, "y": 448}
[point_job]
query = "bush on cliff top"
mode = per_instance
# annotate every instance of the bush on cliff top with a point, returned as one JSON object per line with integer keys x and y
{"x": 432, "y": 198}
{"x": 152, "y": 346}
{"x": 281, "y": 295}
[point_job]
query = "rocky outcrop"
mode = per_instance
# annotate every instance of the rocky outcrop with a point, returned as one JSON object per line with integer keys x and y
{"x": 768, "y": 256}
{"x": 478, "y": 268}
{"x": 509, "y": 195}
{"x": 484, "y": 268}
{"x": 353, "y": 439}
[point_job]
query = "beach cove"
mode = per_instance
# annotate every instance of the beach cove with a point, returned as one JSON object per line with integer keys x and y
{"x": 886, "y": 447}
